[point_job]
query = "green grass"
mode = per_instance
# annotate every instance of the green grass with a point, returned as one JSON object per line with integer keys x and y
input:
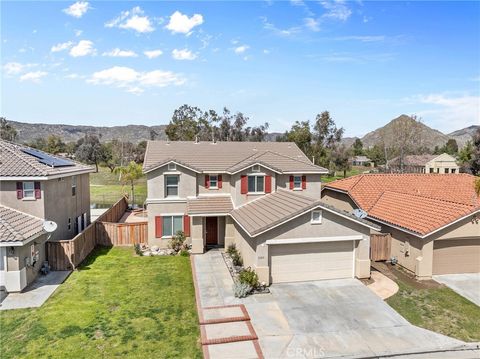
{"x": 339, "y": 175}
{"x": 116, "y": 305}
{"x": 105, "y": 188}
{"x": 438, "y": 309}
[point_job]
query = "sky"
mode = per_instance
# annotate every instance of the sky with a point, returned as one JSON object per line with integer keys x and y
{"x": 117, "y": 63}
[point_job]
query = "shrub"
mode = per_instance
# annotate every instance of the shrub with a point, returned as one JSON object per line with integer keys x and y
{"x": 248, "y": 276}
{"x": 184, "y": 253}
{"x": 177, "y": 242}
{"x": 232, "y": 249}
{"x": 237, "y": 259}
{"x": 241, "y": 290}
{"x": 138, "y": 249}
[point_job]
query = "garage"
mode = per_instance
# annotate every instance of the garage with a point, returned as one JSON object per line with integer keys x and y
{"x": 311, "y": 261}
{"x": 451, "y": 256}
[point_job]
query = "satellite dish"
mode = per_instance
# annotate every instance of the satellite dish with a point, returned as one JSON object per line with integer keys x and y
{"x": 359, "y": 213}
{"x": 49, "y": 226}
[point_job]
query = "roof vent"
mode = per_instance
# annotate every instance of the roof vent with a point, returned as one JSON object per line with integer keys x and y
{"x": 196, "y": 139}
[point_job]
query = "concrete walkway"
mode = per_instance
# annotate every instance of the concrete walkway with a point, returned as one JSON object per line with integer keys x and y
{"x": 466, "y": 284}
{"x": 382, "y": 286}
{"x": 327, "y": 319}
{"x": 36, "y": 293}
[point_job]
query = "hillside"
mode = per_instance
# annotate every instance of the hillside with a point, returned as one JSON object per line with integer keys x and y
{"x": 464, "y": 135}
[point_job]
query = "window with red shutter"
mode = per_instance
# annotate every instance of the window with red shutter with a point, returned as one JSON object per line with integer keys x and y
{"x": 219, "y": 181}
{"x": 207, "y": 181}
{"x": 38, "y": 191}
{"x": 291, "y": 182}
{"x": 158, "y": 227}
{"x": 304, "y": 182}
{"x": 268, "y": 184}
{"x": 19, "y": 190}
{"x": 186, "y": 226}
{"x": 243, "y": 185}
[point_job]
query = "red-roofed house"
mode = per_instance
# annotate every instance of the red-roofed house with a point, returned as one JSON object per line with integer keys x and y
{"x": 433, "y": 219}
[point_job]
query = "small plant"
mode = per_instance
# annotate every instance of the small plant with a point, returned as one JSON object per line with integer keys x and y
{"x": 237, "y": 259}
{"x": 231, "y": 249}
{"x": 177, "y": 242}
{"x": 248, "y": 276}
{"x": 138, "y": 249}
{"x": 184, "y": 253}
{"x": 241, "y": 290}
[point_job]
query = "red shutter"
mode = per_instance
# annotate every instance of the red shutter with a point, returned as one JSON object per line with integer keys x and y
{"x": 38, "y": 191}
{"x": 304, "y": 182}
{"x": 268, "y": 184}
{"x": 207, "y": 181}
{"x": 291, "y": 182}
{"x": 19, "y": 190}
{"x": 219, "y": 181}
{"x": 186, "y": 226}
{"x": 158, "y": 227}
{"x": 244, "y": 185}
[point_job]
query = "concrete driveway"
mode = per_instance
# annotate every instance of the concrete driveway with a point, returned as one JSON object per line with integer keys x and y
{"x": 467, "y": 284}
{"x": 320, "y": 319}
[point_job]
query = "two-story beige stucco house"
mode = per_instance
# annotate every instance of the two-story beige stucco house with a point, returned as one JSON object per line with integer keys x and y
{"x": 433, "y": 219}
{"x": 34, "y": 187}
{"x": 262, "y": 196}
{"x": 442, "y": 164}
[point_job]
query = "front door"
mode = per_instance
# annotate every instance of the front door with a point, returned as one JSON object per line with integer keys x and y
{"x": 211, "y": 230}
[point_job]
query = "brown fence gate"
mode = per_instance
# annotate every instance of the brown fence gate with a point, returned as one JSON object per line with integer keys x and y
{"x": 380, "y": 246}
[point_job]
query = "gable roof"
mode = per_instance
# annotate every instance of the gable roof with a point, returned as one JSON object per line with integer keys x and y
{"x": 228, "y": 157}
{"x": 420, "y": 203}
{"x": 16, "y": 162}
{"x": 270, "y": 211}
{"x": 413, "y": 160}
{"x": 16, "y": 226}
{"x": 209, "y": 205}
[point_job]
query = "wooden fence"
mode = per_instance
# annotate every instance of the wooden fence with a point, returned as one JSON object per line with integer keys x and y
{"x": 68, "y": 254}
{"x": 121, "y": 234}
{"x": 380, "y": 246}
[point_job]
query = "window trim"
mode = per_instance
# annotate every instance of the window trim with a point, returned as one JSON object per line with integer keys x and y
{"x": 170, "y": 168}
{"x": 210, "y": 186}
{"x": 319, "y": 221}
{"x": 171, "y": 186}
{"x": 256, "y": 168}
{"x": 300, "y": 182}
{"x": 171, "y": 216}
{"x": 25, "y": 197}
{"x": 256, "y": 183}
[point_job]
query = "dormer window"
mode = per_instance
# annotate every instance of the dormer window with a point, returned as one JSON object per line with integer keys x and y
{"x": 297, "y": 182}
{"x": 172, "y": 166}
{"x": 256, "y": 168}
{"x": 256, "y": 184}
{"x": 316, "y": 217}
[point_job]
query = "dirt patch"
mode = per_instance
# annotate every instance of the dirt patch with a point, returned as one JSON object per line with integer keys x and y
{"x": 397, "y": 273}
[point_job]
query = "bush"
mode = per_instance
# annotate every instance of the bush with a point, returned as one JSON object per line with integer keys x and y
{"x": 184, "y": 253}
{"x": 237, "y": 259}
{"x": 232, "y": 249}
{"x": 177, "y": 242}
{"x": 248, "y": 276}
{"x": 241, "y": 290}
{"x": 138, "y": 249}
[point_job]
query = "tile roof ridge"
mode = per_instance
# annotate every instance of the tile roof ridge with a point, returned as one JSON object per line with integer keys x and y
{"x": 293, "y": 194}
{"x": 242, "y": 160}
{"x": 20, "y": 156}
{"x": 291, "y": 158}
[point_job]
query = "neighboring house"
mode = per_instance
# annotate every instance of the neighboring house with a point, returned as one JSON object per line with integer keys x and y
{"x": 37, "y": 186}
{"x": 443, "y": 163}
{"x": 262, "y": 196}
{"x": 361, "y": 161}
{"x": 433, "y": 219}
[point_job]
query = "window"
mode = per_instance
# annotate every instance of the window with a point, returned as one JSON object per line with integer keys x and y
{"x": 297, "y": 182}
{"x": 454, "y": 170}
{"x": 74, "y": 185}
{"x": 256, "y": 168}
{"x": 213, "y": 181}
{"x": 256, "y": 184}
{"x": 316, "y": 217}
{"x": 28, "y": 190}
{"x": 69, "y": 225}
{"x": 446, "y": 170}
{"x": 431, "y": 170}
{"x": 172, "y": 166}
{"x": 438, "y": 170}
{"x": 171, "y": 225}
{"x": 171, "y": 186}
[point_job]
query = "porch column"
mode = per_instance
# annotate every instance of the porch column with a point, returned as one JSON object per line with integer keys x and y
{"x": 262, "y": 268}
{"x": 362, "y": 257}
{"x": 229, "y": 231}
{"x": 197, "y": 235}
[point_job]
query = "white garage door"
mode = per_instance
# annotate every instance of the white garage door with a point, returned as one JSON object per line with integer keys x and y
{"x": 311, "y": 261}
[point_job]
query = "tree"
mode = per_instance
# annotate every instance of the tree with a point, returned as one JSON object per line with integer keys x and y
{"x": 326, "y": 136}
{"x": 39, "y": 143}
{"x": 340, "y": 158}
{"x": 358, "y": 147}
{"x": 129, "y": 174}
{"x": 407, "y": 134}
{"x": 465, "y": 156}
{"x": 301, "y": 134}
{"x": 7, "y": 131}
{"x": 376, "y": 154}
{"x": 90, "y": 150}
{"x": 477, "y": 186}
{"x": 451, "y": 147}
{"x": 184, "y": 124}
{"x": 475, "y": 160}
{"x": 55, "y": 144}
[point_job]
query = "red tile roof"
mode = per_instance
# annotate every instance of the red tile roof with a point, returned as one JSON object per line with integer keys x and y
{"x": 421, "y": 203}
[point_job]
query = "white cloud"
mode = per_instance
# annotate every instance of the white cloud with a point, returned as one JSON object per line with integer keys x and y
{"x": 13, "y": 68}
{"x": 134, "y": 81}
{"x": 77, "y": 9}
{"x": 180, "y": 23}
{"x": 120, "y": 53}
{"x": 151, "y": 54}
{"x": 368, "y": 38}
{"x": 134, "y": 19}
{"x": 312, "y": 24}
{"x": 34, "y": 76}
{"x": 277, "y": 31}
{"x": 266, "y": 51}
{"x": 241, "y": 49}
{"x": 336, "y": 9}
{"x": 73, "y": 76}
{"x": 61, "y": 46}
{"x": 78, "y": 32}
{"x": 83, "y": 48}
{"x": 183, "y": 54}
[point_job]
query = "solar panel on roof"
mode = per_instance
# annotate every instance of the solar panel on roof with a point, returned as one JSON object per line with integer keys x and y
{"x": 48, "y": 159}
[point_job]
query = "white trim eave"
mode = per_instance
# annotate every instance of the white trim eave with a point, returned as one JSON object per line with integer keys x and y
{"x": 320, "y": 172}
{"x": 334, "y": 189}
{"x": 350, "y": 218}
{"x": 46, "y": 178}
{"x": 167, "y": 163}
{"x": 22, "y": 243}
{"x": 165, "y": 201}
{"x": 315, "y": 240}
{"x": 208, "y": 214}
{"x": 255, "y": 164}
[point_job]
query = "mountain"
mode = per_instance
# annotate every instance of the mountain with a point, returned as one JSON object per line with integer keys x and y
{"x": 134, "y": 133}
{"x": 464, "y": 135}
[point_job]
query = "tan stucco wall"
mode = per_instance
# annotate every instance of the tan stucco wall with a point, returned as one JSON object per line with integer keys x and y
{"x": 313, "y": 185}
{"x": 187, "y": 184}
{"x": 225, "y": 185}
{"x": 466, "y": 228}
{"x": 442, "y": 162}
{"x": 237, "y": 197}
{"x": 159, "y": 209}
{"x": 8, "y": 198}
{"x": 338, "y": 200}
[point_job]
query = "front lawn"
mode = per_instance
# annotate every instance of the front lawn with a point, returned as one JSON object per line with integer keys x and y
{"x": 437, "y": 308}
{"x": 116, "y": 305}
